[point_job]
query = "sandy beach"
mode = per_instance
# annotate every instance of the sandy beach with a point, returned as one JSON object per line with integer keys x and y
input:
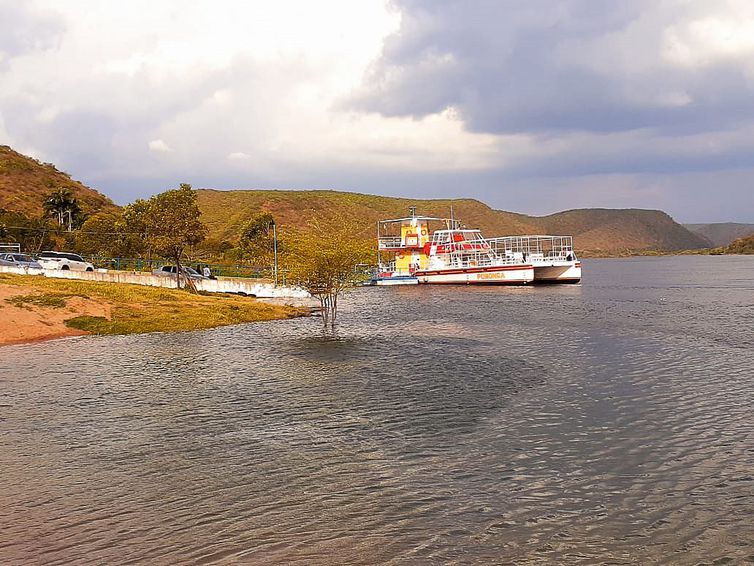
{"x": 26, "y": 322}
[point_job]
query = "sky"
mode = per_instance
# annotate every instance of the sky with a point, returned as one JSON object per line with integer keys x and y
{"x": 533, "y": 106}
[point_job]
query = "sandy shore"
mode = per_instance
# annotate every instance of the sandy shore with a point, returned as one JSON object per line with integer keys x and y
{"x": 30, "y": 323}
{"x": 34, "y": 308}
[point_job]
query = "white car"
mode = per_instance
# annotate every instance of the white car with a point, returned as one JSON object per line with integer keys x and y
{"x": 64, "y": 261}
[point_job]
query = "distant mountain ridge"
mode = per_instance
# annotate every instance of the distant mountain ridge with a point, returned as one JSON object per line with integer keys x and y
{"x": 722, "y": 233}
{"x": 24, "y": 183}
{"x": 599, "y": 231}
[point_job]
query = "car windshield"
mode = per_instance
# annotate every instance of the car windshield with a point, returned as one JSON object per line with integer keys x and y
{"x": 21, "y": 257}
{"x": 191, "y": 271}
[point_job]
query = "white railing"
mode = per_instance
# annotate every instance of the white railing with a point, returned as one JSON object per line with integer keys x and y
{"x": 10, "y": 248}
{"x": 535, "y": 248}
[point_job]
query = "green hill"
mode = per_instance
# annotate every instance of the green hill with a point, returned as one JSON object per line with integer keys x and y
{"x": 595, "y": 230}
{"x": 722, "y": 233}
{"x": 24, "y": 182}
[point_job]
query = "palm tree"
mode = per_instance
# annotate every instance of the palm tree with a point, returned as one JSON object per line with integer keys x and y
{"x": 60, "y": 203}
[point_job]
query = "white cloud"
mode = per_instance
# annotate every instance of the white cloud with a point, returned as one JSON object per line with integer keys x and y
{"x": 238, "y": 156}
{"x": 253, "y": 93}
{"x": 159, "y": 146}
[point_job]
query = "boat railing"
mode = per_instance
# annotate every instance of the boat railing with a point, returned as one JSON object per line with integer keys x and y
{"x": 389, "y": 266}
{"x": 389, "y": 242}
{"x": 535, "y": 247}
{"x": 482, "y": 258}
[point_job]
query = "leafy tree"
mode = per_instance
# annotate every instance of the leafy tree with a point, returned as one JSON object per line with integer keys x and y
{"x": 33, "y": 234}
{"x": 62, "y": 205}
{"x": 136, "y": 223}
{"x": 325, "y": 262}
{"x": 257, "y": 240}
{"x": 172, "y": 224}
{"x": 106, "y": 234}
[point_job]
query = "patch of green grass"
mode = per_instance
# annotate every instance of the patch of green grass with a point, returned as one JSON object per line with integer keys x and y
{"x": 93, "y": 324}
{"x": 172, "y": 316}
{"x": 49, "y": 300}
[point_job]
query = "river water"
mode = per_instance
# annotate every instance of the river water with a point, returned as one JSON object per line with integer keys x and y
{"x": 606, "y": 422}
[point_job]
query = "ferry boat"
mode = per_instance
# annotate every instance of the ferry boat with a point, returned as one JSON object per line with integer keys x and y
{"x": 451, "y": 255}
{"x": 552, "y": 257}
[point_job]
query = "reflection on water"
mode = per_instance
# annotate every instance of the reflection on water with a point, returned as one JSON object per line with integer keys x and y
{"x": 604, "y": 422}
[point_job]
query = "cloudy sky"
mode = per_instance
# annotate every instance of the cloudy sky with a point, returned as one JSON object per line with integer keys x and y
{"x": 534, "y": 106}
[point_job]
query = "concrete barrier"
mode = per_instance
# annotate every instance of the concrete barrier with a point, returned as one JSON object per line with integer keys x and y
{"x": 220, "y": 285}
{"x": 20, "y": 270}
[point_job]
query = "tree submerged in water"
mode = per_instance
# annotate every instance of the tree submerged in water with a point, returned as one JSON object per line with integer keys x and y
{"x": 325, "y": 262}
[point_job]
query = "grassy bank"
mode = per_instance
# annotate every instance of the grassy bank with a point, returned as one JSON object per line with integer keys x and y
{"x": 132, "y": 308}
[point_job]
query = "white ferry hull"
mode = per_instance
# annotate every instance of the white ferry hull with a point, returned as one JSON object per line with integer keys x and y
{"x": 567, "y": 272}
{"x": 494, "y": 275}
{"x": 390, "y": 281}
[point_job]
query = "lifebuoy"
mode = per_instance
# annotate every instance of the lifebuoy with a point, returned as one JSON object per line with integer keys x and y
{"x": 424, "y": 231}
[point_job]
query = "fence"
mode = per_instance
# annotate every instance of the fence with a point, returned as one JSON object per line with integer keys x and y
{"x": 217, "y": 269}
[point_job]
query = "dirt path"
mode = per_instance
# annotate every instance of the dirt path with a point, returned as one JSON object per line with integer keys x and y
{"x": 31, "y": 323}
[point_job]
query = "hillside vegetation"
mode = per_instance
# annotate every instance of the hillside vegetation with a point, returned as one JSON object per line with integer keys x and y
{"x": 722, "y": 233}
{"x": 741, "y": 246}
{"x": 599, "y": 231}
{"x": 24, "y": 183}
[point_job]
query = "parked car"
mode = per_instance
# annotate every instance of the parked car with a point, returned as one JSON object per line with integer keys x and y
{"x": 19, "y": 260}
{"x": 170, "y": 271}
{"x": 64, "y": 261}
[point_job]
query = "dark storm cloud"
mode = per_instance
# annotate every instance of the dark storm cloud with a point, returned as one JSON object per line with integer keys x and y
{"x": 542, "y": 66}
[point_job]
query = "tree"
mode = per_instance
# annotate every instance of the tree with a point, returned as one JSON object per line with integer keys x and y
{"x": 61, "y": 204}
{"x": 137, "y": 224}
{"x": 257, "y": 239}
{"x": 106, "y": 234}
{"x": 171, "y": 223}
{"x": 33, "y": 234}
{"x": 325, "y": 262}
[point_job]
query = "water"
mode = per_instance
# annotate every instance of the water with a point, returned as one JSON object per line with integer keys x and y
{"x": 607, "y": 422}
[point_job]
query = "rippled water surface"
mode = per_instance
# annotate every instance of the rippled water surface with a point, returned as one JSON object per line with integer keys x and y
{"x": 606, "y": 422}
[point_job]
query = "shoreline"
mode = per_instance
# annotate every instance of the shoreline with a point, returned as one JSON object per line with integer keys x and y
{"x": 37, "y": 309}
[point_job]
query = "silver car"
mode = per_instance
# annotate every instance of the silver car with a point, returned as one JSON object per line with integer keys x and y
{"x": 169, "y": 271}
{"x": 19, "y": 260}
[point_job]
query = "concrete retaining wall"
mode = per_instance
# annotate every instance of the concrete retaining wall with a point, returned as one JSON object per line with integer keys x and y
{"x": 221, "y": 285}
